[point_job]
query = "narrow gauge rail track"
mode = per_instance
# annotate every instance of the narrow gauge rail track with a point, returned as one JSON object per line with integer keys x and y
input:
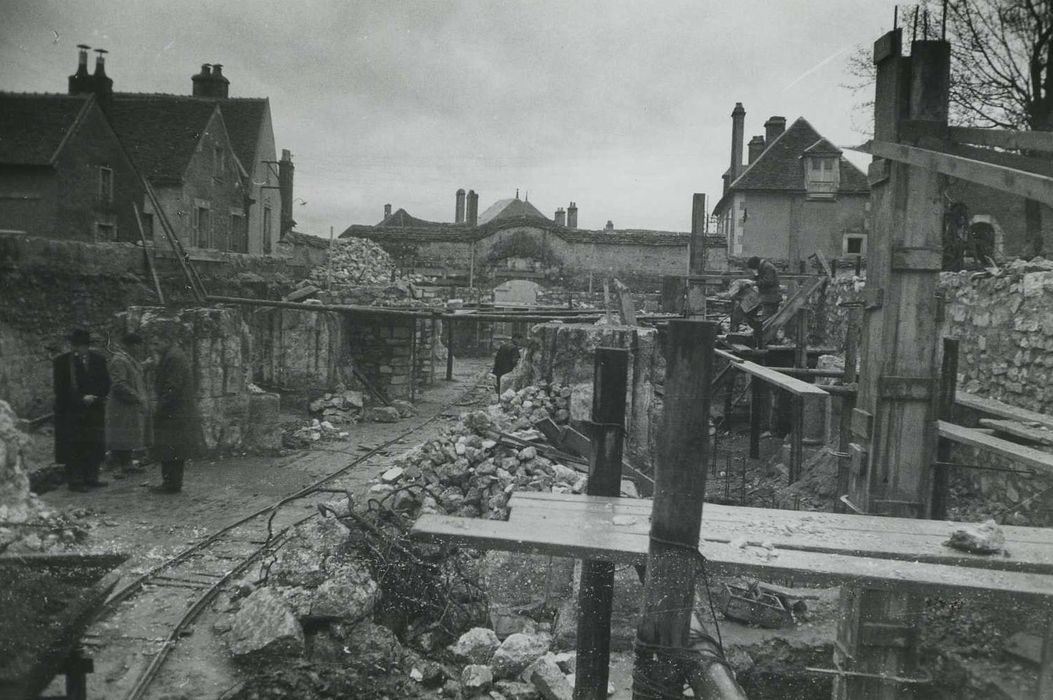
{"x": 204, "y": 568}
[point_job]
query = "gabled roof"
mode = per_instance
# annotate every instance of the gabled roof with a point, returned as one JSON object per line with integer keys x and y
{"x": 780, "y": 166}
{"x": 160, "y": 135}
{"x": 244, "y": 117}
{"x": 402, "y": 219}
{"x": 510, "y": 208}
{"x": 34, "y": 127}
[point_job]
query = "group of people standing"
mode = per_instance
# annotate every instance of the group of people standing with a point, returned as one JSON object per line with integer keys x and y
{"x": 102, "y": 404}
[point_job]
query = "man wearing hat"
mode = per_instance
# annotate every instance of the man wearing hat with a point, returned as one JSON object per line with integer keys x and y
{"x": 82, "y": 383}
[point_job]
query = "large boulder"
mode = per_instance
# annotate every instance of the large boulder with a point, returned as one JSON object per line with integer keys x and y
{"x": 265, "y": 627}
{"x": 476, "y": 646}
{"x": 517, "y": 652}
{"x": 549, "y": 679}
{"x": 476, "y": 678}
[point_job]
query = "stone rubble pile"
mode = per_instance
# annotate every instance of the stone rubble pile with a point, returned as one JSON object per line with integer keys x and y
{"x": 472, "y": 470}
{"x": 355, "y": 261}
{"x": 26, "y": 522}
{"x": 332, "y": 413}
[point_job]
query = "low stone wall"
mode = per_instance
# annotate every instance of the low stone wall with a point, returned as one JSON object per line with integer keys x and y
{"x": 565, "y": 353}
{"x": 298, "y": 351}
{"x": 385, "y": 352}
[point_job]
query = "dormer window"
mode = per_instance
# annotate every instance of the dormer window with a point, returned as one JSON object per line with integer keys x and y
{"x": 822, "y": 176}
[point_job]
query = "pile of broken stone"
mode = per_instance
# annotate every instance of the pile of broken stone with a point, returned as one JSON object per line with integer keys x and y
{"x": 27, "y": 524}
{"x": 357, "y": 262}
{"x": 333, "y": 412}
{"x": 473, "y": 469}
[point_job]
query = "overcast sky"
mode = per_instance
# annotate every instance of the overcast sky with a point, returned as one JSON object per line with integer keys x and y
{"x": 623, "y": 107}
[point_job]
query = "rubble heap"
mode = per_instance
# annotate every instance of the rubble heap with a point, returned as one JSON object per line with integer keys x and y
{"x": 355, "y": 262}
{"x": 26, "y": 523}
{"x": 472, "y": 470}
{"x": 334, "y": 411}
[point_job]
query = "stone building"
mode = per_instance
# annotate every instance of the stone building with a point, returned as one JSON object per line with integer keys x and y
{"x": 513, "y": 240}
{"x": 795, "y": 195}
{"x": 63, "y": 173}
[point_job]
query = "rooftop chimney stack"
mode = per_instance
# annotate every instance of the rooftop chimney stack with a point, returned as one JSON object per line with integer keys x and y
{"x": 561, "y": 217}
{"x": 738, "y": 125}
{"x": 609, "y": 226}
{"x": 755, "y": 148}
{"x": 102, "y": 83}
{"x": 80, "y": 82}
{"x": 473, "y": 209}
{"x": 387, "y": 210}
{"x": 458, "y": 214}
{"x": 220, "y": 84}
{"x": 572, "y": 215}
{"x": 773, "y": 128}
{"x": 285, "y": 191}
{"x": 201, "y": 80}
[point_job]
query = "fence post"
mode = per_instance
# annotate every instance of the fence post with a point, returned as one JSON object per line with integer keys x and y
{"x": 449, "y": 348}
{"x": 948, "y": 389}
{"x": 596, "y": 592}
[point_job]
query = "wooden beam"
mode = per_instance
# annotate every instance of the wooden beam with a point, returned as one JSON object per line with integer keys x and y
{"x": 1015, "y": 140}
{"x": 1017, "y": 453}
{"x": 780, "y": 380}
{"x": 1019, "y": 430}
{"x": 1018, "y": 182}
{"x": 999, "y": 409}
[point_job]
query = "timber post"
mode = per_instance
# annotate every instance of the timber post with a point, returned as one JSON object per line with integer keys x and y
{"x": 848, "y": 404}
{"x": 448, "y": 322}
{"x": 596, "y": 592}
{"x": 800, "y": 361}
{"x": 680, "y": 485}
{"x": 894, "y": 423}
{"x": 948, "y": 389}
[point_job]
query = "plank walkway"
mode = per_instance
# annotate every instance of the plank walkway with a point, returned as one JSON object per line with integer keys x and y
{"x": 814, "y": 548}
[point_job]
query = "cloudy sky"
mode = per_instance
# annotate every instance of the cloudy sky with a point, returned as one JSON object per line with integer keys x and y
{"x": 623, "y": 107}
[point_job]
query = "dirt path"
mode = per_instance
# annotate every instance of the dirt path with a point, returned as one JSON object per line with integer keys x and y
{"x": 153, "y": 527}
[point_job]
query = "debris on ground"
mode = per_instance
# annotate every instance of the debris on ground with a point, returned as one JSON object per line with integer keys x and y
{"x": 985, "y": 538}
{"x": 354, "y": 262}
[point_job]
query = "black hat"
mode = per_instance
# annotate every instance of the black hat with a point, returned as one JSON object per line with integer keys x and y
{"x": 80, "y": 336}
{"x": 753, "y": 263}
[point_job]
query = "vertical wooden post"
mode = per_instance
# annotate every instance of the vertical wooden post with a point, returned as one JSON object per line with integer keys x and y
{"x": 449, "y": 349}
{"x": 413, "y": 360}
{"x": 848, "y": 404}
{"x": 676, "y": 515}
{"x": 1045, "y": 669}
{"x": 800, "y": 360}
{"x": 948, "y": 389}
{"x": 596, "y": 592}
{"x": 432, "y": 338}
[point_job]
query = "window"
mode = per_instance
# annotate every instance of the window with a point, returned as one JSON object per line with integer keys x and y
{"x": 218, "y": 161}
{"x": 854, "y": 244}
{"x": 822, "y": 177}
{"x": 266, "y": 230}
{"x": 202, "y": 226}
{"x": 239, "y": 240}
{"x": 105, "y": 186}
{"x": 105, "y": 232}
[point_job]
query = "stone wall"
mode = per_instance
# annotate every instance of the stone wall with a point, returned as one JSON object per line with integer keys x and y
{"x": 385, "y": 352}
{"x": 298, "y": 351}
{"x": 49, "y": 286}
{"x": 565, "y": 353}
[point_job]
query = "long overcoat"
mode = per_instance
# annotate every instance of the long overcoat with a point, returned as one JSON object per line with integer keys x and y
{"x": 176, "y": 428}
{"x": 80, "y": 429}
{"x": 128, "y": 405}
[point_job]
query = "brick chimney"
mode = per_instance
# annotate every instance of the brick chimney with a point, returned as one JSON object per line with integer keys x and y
{"x": 773, "y": 128}
{"x": 572, "y": 215}
{"x": 609, "y": 226}
{"x": 81, "y": 82}
{"x": 201, "y": 80}
{"x": 102, "y": 84}
{"x": 387, "y": 210}
{"x": 755, "y": 148}
{"x": 285, "y": 191}
{"x": 211, "y": 82}
{"x": 220, "y": 84}
{"x": 458, "y": 212}
{"x": 738, "y": 125}
{"x": 472, "y": 214}
{"x": 561, "y": 217}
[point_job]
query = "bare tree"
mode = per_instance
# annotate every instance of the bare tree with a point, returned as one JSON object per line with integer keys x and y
{"x": 1001, "y": 68}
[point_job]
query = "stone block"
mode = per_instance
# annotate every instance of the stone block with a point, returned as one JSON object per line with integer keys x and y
{"x": 264, "y": 627}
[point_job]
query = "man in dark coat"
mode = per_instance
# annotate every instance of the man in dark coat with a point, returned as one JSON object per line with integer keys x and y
{"x": 175, "y": 422}
{"x": 128, "y": 405}
{"x": 506, "y": 359}
{"x": 81, "y": 383}
{"x": 767, "y": 285}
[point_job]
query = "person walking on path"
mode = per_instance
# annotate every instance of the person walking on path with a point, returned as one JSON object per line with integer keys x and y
{"x": 81, "y": 383}
{"x": 175, "y": 424}
{"x": 127, "y": 408}
{"x": 767, "y": 285}
{"x": 506, "y": 359}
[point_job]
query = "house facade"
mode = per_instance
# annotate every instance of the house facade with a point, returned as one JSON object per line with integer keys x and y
{"x": 63, "y": 171}
{"x": 795, "y": 195}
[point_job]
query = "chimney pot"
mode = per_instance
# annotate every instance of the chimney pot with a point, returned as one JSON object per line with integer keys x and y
{"x": 773, "y": 128}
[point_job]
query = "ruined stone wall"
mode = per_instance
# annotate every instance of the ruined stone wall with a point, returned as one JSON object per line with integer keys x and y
{"x": 298, "y": 351}
{"x": 385, "y": 352}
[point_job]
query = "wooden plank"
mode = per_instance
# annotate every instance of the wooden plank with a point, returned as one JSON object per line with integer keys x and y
{"x": 801, "y": 535}
{"x": 1017, "y": 429}
{"x": 791, "y": 306}
{"x": 782, "y": 381}
{"x": 1001, "y": 410}
{"x": 1018, "y": 453}
{"x": 999, "y": 177}
{"x": 1017, "y": 140}
{"x": 810, "y": 568}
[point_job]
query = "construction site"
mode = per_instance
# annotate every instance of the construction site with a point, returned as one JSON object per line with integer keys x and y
{"x": 684, "y": 483}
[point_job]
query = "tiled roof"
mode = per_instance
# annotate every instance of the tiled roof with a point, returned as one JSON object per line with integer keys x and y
{"x": 822, "y": 147}
{"x": 779, "y": 167}
{"x": 243, "y": 117}
{"x": 33, "y": 127}
{"x": 403, "y": 219}
{"x": 454, "y": 233}
{"x": 160, "y": 134}
{"x": 509, "y": 209}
